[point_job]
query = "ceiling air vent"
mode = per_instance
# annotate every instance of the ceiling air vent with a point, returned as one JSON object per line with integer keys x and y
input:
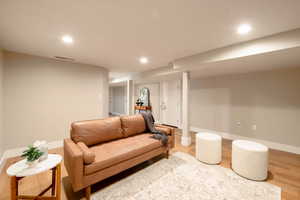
{"x": 61, "y": 58}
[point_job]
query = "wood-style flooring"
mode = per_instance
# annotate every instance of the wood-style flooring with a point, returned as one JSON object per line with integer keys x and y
{"x": 284, "y": 171}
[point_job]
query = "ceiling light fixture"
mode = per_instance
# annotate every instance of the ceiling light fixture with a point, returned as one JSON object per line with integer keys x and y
{"x": 67, "y": 39}
{"x": 244, "y": 29}
{"x": 144, "y": 60}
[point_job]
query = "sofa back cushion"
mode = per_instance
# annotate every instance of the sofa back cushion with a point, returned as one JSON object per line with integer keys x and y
{"x": 133, "y": 124}
{"x": 93, "y": 132}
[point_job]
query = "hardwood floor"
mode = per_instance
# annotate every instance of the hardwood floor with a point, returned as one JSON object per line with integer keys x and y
{"x": 284, "y": 171}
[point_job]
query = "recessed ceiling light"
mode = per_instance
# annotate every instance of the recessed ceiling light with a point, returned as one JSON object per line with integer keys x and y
{"x": 244, "y": 29}
{"x": 67, "y": 39}
{"x": 144, "y": 60}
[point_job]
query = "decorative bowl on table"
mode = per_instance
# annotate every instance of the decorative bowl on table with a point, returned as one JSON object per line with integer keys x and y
{"x": 43, "y": 147}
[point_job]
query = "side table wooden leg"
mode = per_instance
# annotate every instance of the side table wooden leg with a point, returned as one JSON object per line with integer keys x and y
{"x": 53, "y": 181}
{"x": 13, "y": 188}
{"x": 58, "y": 182}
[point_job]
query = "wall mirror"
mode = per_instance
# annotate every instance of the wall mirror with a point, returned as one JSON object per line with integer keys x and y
{"x": 144, "y": 97}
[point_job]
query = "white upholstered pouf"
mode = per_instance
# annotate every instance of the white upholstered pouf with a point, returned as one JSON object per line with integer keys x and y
{"x": 209, "y": 148}
{"x": 250, "y": 159}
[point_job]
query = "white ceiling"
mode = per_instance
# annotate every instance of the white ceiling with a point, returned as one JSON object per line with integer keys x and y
{"x": 115, "y": 33}
{"x": 287, "y": 58}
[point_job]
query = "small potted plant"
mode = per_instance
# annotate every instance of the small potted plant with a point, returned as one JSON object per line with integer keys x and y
{"x": 32, "y": 155}
{"x": 43, "y": 147}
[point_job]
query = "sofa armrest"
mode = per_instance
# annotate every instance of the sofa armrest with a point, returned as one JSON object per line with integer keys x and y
{"x": 169, "y": 131}
{"x": 166, "y": 129}
{"x": 73, "y": 160}
{"x": 88, "y": 155}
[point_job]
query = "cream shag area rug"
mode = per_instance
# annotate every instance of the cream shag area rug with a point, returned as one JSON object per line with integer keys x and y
{"x": 182, "y": 177}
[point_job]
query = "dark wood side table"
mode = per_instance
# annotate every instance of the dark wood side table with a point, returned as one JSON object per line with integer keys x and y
{"x": 142, "y": 108}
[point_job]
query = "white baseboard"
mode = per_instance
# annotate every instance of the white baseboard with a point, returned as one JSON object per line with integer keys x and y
{"x": 272, "y": 145}
{"x": 18, "y": 151}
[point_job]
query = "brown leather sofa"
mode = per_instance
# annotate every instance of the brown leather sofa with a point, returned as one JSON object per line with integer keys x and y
{"x": 102, "y": 148}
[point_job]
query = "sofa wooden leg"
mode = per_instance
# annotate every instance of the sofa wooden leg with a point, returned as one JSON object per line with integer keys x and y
{"x": 167, "y": 154}
{"x": 88, "y": 193}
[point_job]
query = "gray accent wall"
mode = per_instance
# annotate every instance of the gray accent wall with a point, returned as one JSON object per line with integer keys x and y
{"x": 235, "y": 104}
{"x": 118, "y": 95}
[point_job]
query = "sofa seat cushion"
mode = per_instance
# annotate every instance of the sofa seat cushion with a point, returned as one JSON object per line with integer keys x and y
{"x": 114, "y": 152}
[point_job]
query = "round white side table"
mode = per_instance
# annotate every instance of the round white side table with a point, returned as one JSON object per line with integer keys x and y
{"x": 20, "y": 170}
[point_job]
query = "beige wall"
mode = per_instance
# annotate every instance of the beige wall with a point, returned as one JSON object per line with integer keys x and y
{"x": 269, "y": 100}
{"x": 1, "y": 104}
{"x": 43, "y": 96}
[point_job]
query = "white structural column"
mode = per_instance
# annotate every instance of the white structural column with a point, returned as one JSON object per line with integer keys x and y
{"x": 129, "y": 95}
{"x": 186, "y": 137}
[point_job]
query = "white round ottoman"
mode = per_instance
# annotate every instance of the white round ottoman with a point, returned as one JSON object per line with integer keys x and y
{"x": 250, "y": 159}
{"x": 209, "y": 148}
